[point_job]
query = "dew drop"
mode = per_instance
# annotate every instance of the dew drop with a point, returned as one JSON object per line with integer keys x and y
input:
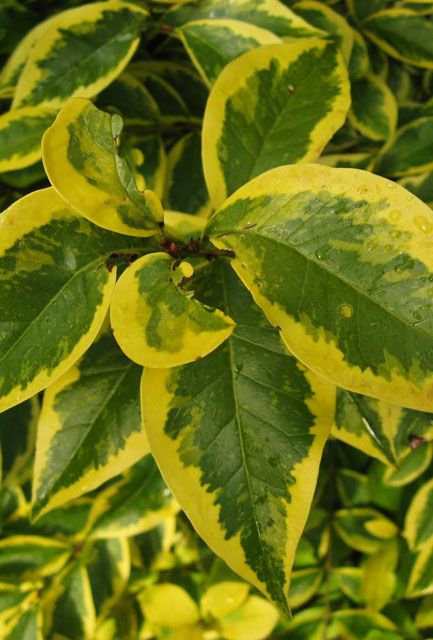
{"x": 345, "y": 311}
{"x": 395, "y": 215}
{"x": 423, "y": 224}
{"x": 395, "y": 233}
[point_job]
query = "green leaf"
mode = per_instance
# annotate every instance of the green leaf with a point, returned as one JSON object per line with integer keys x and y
{"x": 363, "y": 529}
{"x": 130, "y": 98}
{"x": 308, "y": 97}
{"x": 410, "y": 151}
{"x": 30, "y": 557}
{"x": 343, "y": 297}
{"x": 166, "y": 328}
{"x": 418, "y": 526}
{"x": 80, "y": 444}
{"x": 268, "y": 14}
{"x": 303, "y": 586}
{"x": 185, "y": 187}
{"x": 17, "y": 439}
{"x": 21, "y": 132}
{"x": 181, "y": 77}
{"x": 374, "y": 108}
{"x": 326, "y": 19}
{"x": 80, "y": 53}
{"x": 356, "y": 624}
{"x": 108, "y": 569}
{"x": 150, "y": 162}
{"x": 69, "y": 609}
{"x": 352, "y": 487}
{"x": 209, "y": 424}
{"x": 402, "y": 34}
{"x": 82, "y": 162}
{"x": 137, "y": 503}
{"x": 410, "y": 466}
{"x": 212, "y": 44}
{"x": 27, "y": 626}
{"x": 421, "y": 577}
{"x": 359, "y": 63}
{"x": 349, "y": 581}
{"x": 57, "y": 294}
{"x": 379, "y": 578}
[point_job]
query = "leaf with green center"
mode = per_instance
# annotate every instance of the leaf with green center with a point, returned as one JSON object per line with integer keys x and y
{"x": 27, "y": 625}
{"x": 137, "y": 503}
{"x": 185, "y": 187}
{"x": 83, "y": 164}
{"x": 353, "y": 301}
{"x": 109, "y": 568}
{"x": 165, "y": 328}
{"x": 325, "y": 19}
{"x": 356, "y": 624}
{"x": 306, "y": 93}
{"x": 421, "y": 576}
{"x": 268, "y": 14}
{"x": 68, "y": 604}
{"x": 410, "y": 466}
{"x": 374, "y": 108}
{"x": 81, "y": 445}
{"x": 56, "y": 293}
{"x": 212, "y": 44}
{"x": 402, "y": 34}
{"x": 359, "y": 63}
{"x": 418, "y": 527}
{"x": 363, "y": 529}
{"x": 304, "y": 585}
{"x": 21, "y": 131}
{"x": 17, "y": 439}
{"x": 130, "y": 98}
{"x": 30, "y": 557}
{"x": 149, "y": 160}
{"x": 238, "y": 436}
{"x": 80, "y": 53}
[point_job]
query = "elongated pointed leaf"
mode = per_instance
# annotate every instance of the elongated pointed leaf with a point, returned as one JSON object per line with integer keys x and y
{"x": 374, "y": 108}
{"x": 363, "y": 529}
{"x": 82, "y": 162}
{"x": 244, "y": 135}
{"x": 421, "y": 576}
{"x": 57, "y": 294}
{"x": 26, "y": 626}
{"x": 108, "y": 570}
{"x": 212, "y": 44}
{"x": 165, "y": 327}
{"x": 30, "y": 557}
{"x": 410, "y": 466}
{"x": 340, "y": 260}
{"x": 238, "y": 436}
{"x": 268, "y": 14}
{"x": 134, "y": 505}
{"x": 69, "y": 609}
{"x": 80, "y": 53}
{"x": 303, "y": 586}
{"x": 80, "y": 444}
{"x": 21, "y": 133}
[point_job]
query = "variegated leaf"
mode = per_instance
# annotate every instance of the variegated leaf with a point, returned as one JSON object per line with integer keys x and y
{"x": 21, "y": 132}
{"x": 165, "y": 327}
{"x": 238, "y": 436}
{"x": 212, "y": 44}
{"x": 268, "y": 14}
{"x": 308, "y": 97}
{"x": 56, "y": 293}
{"x": 17, "y": 439}
{"x": 353, "y": 300}
{"x": 374, "y": 108}
{"x": 80, "y": 53}
{"x": 185, "y": 187}
{"x": 402, "y": 34}
{"x": 410, "y": 151}
{"x": 108, "y": 569}
{"x": 137, "y": 503}
{"x": 418, "y": 528}
{"x": 84, "y": 166}
{"x": 80, "y": 444}
{"x": 30, "y": 557}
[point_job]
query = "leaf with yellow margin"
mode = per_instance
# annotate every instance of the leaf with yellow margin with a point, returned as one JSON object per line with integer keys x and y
{"x": 56, "y": 291}
{"x": 82, "y": 162}
{"x": 238, "y": 436}
{"x": 308, "y": 97}
{"x": 352, "y": 300}
{"x": 155, "y": 320}
{"x": 81, "y": 445}
{"x": 21, "y": 131}
{"x": 79, "y": 53}
{"x": 418, "y": 527}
